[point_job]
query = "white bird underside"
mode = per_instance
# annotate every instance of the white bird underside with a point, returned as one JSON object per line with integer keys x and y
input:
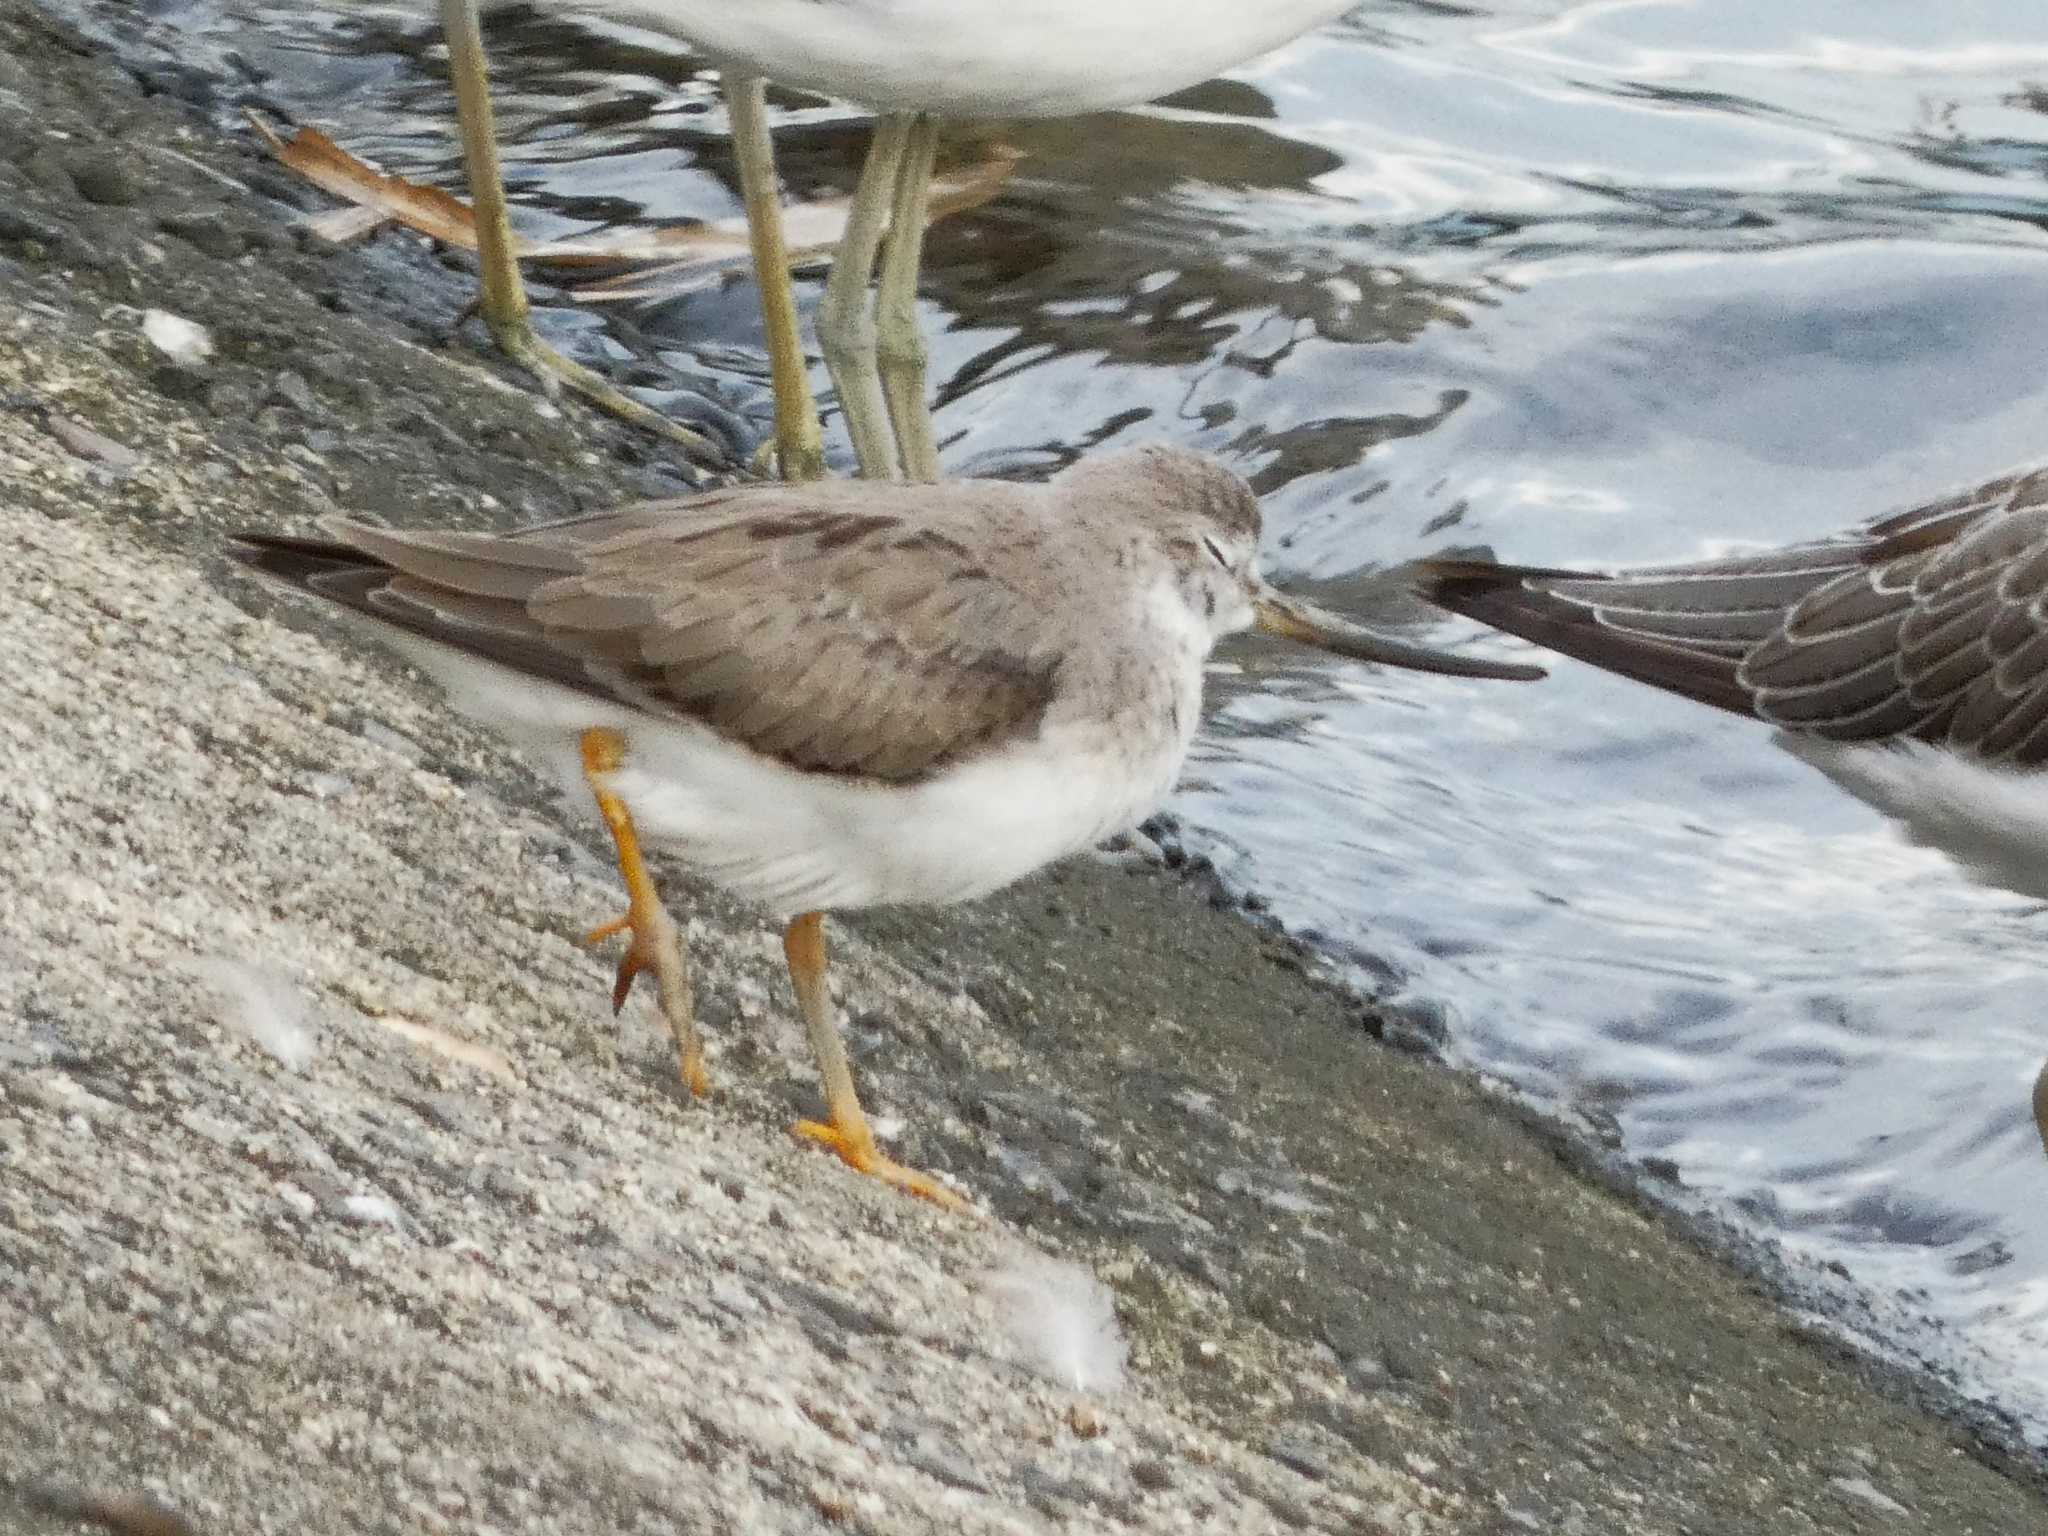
{"x": 801, "y": 842}
{"x": 1992, "y": 820}
{"x": 976, "y": 58}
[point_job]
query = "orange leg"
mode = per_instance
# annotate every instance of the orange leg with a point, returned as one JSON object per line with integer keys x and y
{"x": 655, "y": 944}
{"x": 803, "y": 942}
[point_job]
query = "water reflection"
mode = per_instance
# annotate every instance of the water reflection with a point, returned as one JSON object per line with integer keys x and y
{"x": 1588, "y": 283}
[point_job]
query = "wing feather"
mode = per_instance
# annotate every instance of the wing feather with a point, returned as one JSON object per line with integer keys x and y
{"x": 1931, "y": 623}
{"x": 816, "y": 624}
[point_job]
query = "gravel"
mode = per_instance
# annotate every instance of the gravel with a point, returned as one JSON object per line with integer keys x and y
{"x": 333, "y": 1199}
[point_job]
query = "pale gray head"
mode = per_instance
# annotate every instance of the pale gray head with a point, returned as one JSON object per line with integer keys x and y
{"x": 1200, "y": 517}
{"x": 1192, "y": 515}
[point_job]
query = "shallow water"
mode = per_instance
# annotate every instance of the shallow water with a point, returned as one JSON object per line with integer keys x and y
{"x": 1583, "y": 283}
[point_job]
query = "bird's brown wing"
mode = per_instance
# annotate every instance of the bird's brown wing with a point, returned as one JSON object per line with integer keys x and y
{"x": 813, "y": 624}
{"x": 1939, "y": 633}
{"x": 1682, "y": 628}
{"x": 1928, "y": 624}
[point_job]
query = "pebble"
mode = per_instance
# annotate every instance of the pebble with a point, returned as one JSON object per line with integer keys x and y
{"x": 234, "y": 396}
{"x": 176, "y": 382}
{"x": 1152, "y": 1474}
{"x": 290, "y": 387}
{"x": 1367, "y": 1373}
{"x": 1863, "y": 1491}
{"x": 106, "y": 176}
{"x": 1418, "y": 1025}
{"x": 2041, "y": 1106}
{"x": 208, "y": 233}
{"x": 88, "y": 444}
{"x": 1399, "y": 1361}
{"x": 181, "y": 82}
{"x": 46, "y": 168}
{"x": 125, "y": 1513}
{"x": 1347, "y": 1331}
{"x": 1086, "y": 1418}
{"x": 949, "y": 1467}
{"x": 185, "y": 342}
{"x": 1295, "y": 1452}
{"x": 18, "y": 227}
{"x": 378, "y": 734}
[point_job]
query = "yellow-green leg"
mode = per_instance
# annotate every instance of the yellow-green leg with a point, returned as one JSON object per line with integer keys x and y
{"x": 847, "y": 1131}
{"x": 798, "y": 442}
{"x": 899, "y": 344}
{"x": 503, "y": 300}
{"x": 846, "y": 328}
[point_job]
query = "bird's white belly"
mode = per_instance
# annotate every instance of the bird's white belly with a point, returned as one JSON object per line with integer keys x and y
{"x": 1991, "y": 820}
{"x": 799, "y": 842}
{"x": 977, "y": 58}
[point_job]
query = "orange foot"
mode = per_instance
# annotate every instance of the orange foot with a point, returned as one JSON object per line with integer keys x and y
{"x": 643, "y": 953}
{"x": 859, "y": 1153}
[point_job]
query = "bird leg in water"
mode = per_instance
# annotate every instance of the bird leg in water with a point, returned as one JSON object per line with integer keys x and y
{"x": 846, "y": 328}
{"x": 899, "y": 343}
{"x": 798, "y": 443}
{"x": 655, "y": 944}
{"x": 848, "y": 1133}
{"x": 503, "y": 300}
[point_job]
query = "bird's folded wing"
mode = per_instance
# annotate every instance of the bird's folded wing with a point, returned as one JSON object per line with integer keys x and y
{"x": 835, "y": 640}
{"x": 1937, "y": 639}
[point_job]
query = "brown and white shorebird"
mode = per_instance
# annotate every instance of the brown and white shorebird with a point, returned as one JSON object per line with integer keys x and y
{"x": 1907, "y": 659}
{"x": 843, "y": 694}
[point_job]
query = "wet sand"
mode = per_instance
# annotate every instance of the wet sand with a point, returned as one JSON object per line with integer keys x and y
{"x": 477, "y": 1265}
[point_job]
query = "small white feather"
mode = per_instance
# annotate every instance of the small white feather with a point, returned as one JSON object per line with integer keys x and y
{"x": 371, "y": 1211}
{"x": 185, "y": 342}
{"x": 262, "y": 1004}
{"x": 1061, "y": 1319}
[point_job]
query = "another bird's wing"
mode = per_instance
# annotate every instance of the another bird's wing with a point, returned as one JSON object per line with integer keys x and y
{"x": 1940, "y": 633}
{"x": 813, "y": 624}
{"x": 1924, "y": 624}
{"x": 1682, "y": 628}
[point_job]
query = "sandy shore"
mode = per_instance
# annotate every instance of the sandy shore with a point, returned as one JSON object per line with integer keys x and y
{"x": 332, "y": 1199}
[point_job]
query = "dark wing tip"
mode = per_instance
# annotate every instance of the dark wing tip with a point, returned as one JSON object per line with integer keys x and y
{"x": 295, "y": 560}
{"x": 1518, "y": 600}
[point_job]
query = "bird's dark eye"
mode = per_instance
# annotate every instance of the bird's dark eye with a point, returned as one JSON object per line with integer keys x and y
{"x": 1217, "y": 550}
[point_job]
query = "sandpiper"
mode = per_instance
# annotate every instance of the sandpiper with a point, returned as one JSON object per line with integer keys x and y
{"x": 911, "y": 61}
{"x": 1907, "y": 659}
{"x": 844, "y": 693}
